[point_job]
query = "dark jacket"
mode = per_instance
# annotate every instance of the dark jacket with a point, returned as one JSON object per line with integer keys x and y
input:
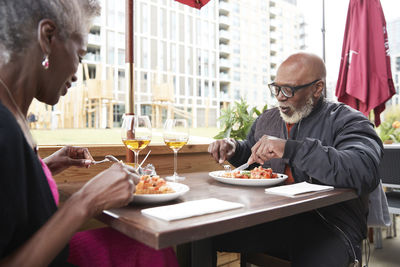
{"x": 335, "y": 145}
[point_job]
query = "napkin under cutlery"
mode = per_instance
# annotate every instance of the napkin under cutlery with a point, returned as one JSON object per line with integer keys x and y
{"x": 190, "y": 208}
{"x": 298, "y": 189}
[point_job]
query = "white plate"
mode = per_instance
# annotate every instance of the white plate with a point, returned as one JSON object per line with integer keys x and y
{"x": 218, "y": 175}
{"x": 179, "y": 189}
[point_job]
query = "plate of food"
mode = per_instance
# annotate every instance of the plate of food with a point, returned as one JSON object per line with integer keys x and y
{"x": 153, "y": 189}
{"x": 256, "y": 177}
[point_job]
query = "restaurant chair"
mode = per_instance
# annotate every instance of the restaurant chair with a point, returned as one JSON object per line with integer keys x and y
{"x": 389, "y": 170}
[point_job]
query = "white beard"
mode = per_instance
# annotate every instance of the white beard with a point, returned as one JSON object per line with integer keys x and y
{"x": 299, "y": 113}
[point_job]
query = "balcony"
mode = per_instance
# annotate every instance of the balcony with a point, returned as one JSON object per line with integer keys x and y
{"x": 224, "y": 96}
{"x": 273, "y": 25}
{"x": 224, "y": 50}
{"x": 92, "y": 57}
{"x": 94, "y": 39}
{"x": 224, "y": 64}
{"x": 273, "y": 37}
{"x": 273, "y": 60}
{"x": 224, "y": 22}
{"x": 224, "y": 36}
{"x": 274, "y": 11}
{"x": 274, "y": 48}
{"x": 224, "y": 8}
{"x": 96, "y": 22}
{"x": 224, "y": 77}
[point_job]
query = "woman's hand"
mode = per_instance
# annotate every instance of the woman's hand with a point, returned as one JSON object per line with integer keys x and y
{"x": 111, "y": 188}
{"x": 68, "y": 156}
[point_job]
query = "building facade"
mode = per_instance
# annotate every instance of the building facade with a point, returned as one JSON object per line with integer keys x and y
{"x": 191, "y": 63}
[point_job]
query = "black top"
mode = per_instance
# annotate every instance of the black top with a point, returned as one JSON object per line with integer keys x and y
{"x": 26, "y": 201}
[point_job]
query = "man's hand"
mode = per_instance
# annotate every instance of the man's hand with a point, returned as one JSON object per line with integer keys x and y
{"x": 266, "y": 148}
{"x": 222, "y": 150}
{"x": 68, "y": 156}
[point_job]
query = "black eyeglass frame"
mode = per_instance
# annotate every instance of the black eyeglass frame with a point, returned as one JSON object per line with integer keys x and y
{"x": 292, "y": 88}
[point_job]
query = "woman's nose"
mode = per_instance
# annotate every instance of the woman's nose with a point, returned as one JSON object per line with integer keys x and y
{"x": 74, "y": 78}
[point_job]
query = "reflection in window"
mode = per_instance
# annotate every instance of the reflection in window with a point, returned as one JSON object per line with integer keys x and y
{"x": 145, "y": 53}
{"x": 189, "y": 60}
{"x": 110, "y": 55}
{"x": 213, "y": 66}
{"x": 121, "y": 80}
{"x": 153, "y": 55}
{"x": 153, "y": 19}
{"x": 181, "y": 26}
{"x": 198, "y": 87}
{"x": 205, "y": 56}
{"x": 121, "y": 57}
{"x": 206, "y": 89}
{"x": 144, "y": 18}
{"x": 181, "y": 59}
{"x": 198, "y": 62}
{"x": 162, "y": 23}
{"x": 173, "y": 26}
{"x": 236, "y": 76}
{"x": 173, "y": 58}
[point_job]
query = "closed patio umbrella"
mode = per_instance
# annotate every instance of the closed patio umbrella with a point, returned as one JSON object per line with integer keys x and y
{"x": 365, "y": 79}
{"x": 194, "y": 3}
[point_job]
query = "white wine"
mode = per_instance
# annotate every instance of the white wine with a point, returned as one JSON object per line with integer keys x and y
{"x": 175, "y": 144}
{"x": 136, "y": 144}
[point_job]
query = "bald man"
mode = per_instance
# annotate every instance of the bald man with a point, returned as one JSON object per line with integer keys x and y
{"x": 309, "y": 139}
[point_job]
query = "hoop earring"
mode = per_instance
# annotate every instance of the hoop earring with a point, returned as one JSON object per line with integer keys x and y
{"x": 45, "y": 62}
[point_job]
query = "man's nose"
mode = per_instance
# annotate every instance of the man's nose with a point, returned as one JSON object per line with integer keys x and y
{"x": 74, "y": 78}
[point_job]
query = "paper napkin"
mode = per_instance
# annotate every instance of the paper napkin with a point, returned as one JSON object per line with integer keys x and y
{"x": 190, "y": 208}
{"x": 298, "y": 189}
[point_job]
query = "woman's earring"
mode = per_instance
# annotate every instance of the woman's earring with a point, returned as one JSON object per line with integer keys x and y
{"x": 45, "y": 62}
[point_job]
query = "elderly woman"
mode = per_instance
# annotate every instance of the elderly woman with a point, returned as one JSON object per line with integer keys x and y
{"x": 41, "y": 45}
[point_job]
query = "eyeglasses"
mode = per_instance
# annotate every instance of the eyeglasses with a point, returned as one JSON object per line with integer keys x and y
{"x": 287, "y": 91}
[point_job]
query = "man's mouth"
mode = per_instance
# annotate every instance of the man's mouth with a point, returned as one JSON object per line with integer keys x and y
{"x": 284, "y": 109}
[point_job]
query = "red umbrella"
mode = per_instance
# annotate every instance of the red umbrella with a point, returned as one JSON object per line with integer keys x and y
{"x": 194, "y": 3}
{"x": 365, "y": 78}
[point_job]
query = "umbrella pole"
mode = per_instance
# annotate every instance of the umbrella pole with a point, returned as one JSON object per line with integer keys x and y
{"x": 129, "y": 61}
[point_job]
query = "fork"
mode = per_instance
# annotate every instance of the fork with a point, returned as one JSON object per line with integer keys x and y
{"x": 94, "y": 162}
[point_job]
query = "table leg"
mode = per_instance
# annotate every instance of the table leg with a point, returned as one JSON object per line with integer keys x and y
{"x": 202, "y": 253}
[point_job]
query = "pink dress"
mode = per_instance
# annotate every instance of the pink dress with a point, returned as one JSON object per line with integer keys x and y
{"x": 105, "y": 247}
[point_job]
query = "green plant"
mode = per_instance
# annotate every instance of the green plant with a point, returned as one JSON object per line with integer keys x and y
{"x": 237, "y": 120}
{"x": 389, "y": 130}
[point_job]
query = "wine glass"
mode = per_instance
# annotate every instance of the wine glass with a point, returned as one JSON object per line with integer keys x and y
{"x": 136, "y": 133}
{"x": 176, "y": 135}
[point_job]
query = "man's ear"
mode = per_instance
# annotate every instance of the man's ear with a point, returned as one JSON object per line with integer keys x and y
{"x": 319, "y": 89}
{"x": 46, "y": 34}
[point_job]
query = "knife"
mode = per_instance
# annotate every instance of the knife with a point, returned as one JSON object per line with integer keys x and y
{"x": 148, "y": 153}
{"x": 241, "y": 167}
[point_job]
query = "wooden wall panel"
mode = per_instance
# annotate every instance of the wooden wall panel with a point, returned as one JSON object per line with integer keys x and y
{"x": 192, "y": 158}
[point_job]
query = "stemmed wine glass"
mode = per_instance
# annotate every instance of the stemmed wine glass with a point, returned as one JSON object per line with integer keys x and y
{"x": 176, "y": 135}
{"x": 136, "y": 133}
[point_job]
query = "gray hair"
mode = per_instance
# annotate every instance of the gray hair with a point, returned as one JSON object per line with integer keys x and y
{"x": 19, "y": 20}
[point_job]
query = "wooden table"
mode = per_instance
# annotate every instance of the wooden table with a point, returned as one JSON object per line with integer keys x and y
{"x": 259, "y": 208}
